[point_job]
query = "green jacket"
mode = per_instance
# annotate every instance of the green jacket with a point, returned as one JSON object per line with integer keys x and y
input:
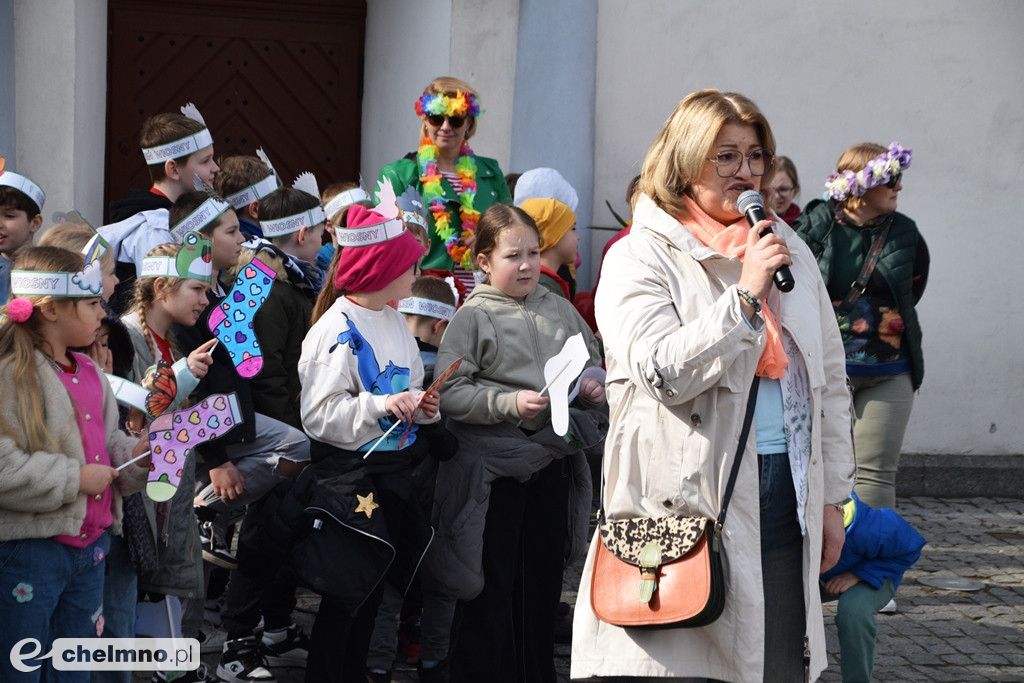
{"x": 895, "y": 265}
{"x": 490, "y": 189}
{"x": 505, "y": 343}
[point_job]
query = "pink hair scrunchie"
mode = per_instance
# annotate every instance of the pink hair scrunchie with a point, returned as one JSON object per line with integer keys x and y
{"x": 19, "y": 309}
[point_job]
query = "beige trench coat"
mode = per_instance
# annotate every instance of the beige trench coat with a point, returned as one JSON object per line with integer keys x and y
{"x": 681, "y": 359}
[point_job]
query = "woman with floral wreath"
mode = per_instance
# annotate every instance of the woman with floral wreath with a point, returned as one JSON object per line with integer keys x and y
{"x": 874, "y": 262}
{"x": 456, "y": 184}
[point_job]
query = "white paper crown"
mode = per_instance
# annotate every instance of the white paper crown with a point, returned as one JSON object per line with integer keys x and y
{"x": 193, "y": 262}
{"x": 411, "y": 204}
{"x": 343, "y": 199}
{"x": 190, "y": 144}
{"x": 20, "y": 182}
{"x": 427, "y": 307}
{"x": 206, "y": 213}
{"x": 278, "y": 227}
{"x": 88, "y": 282}
{"x": 256, "y": 191}
{"x": 391, "y": 227}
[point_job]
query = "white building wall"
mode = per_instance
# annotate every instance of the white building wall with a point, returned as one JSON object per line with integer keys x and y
{"x": 60, "y": 49}
{"x": 940, "y": 76}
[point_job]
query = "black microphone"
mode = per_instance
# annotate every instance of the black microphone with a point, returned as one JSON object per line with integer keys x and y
{"x": 751, "y": 204}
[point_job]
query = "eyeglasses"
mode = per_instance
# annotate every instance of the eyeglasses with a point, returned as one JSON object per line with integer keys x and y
{"x": 437, "y": 120}
{"x": 894, "y": 181}
{"x": 728, "y": 163}
{"x": 783, "y": 189}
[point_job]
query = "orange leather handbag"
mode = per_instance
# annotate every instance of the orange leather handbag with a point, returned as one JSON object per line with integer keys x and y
{"x": 664, "y": 572}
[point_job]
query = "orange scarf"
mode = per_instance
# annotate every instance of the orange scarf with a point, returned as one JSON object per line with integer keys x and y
{"x": 731, "y": 240}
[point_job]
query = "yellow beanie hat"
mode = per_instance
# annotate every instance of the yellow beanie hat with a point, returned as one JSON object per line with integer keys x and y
{"x": 553, "y": 219}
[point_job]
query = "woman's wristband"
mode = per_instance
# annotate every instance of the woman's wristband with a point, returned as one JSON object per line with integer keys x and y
{"x": 749, "y": 298}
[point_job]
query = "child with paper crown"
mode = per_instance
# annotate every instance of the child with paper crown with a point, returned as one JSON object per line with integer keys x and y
{"x": 244, "y": 181}
{"x": 21, "y": 206}
{"x": 559, "y": 241}
{"x": 337, "y": 198}
{"x": 171, "y": 288}
{"x": 176, "y": 148}
{"x": 511, "y": 457}
{"x": 362, "y": 377}
{"x": 248, "y": 461}
{"x": 59, "y": 447}
{"x": 427, "y": 313}
{"x": 293, "y": 222}
{"x": 880, "y": 546}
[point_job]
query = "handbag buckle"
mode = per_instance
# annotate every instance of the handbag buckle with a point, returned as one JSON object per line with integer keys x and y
{"x": 650, "y": 560}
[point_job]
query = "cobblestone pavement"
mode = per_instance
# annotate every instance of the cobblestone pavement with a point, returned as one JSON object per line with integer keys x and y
{"x": 936, "y": 635}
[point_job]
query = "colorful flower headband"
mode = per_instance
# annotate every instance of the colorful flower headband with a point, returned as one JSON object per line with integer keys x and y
{"x": 879, "y": 171}
{"x": 463, "y": 104}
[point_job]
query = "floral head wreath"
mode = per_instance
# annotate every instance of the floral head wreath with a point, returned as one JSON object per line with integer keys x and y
{"x": 461, "y": 104}
{"x": 878, "y": 171}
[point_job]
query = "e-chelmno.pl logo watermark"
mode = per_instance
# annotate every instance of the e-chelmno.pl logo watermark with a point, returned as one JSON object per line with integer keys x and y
{"x": 109, "y": 654}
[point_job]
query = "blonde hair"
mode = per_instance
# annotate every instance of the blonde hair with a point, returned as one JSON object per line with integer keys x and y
{"x": 73, "y": 237}
{"x": 676, "y": 158}
{"x": 19, "y": 341}
{"x": 854, "y": 159}
{"x": 447, "y": 85}
{"x": 328, "y": 292}
{"x": 145, "y": 297}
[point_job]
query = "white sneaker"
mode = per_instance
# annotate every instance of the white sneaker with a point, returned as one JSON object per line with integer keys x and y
{"x": 888, "y": 608}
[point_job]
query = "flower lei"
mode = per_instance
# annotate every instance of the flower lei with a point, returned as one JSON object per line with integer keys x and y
{"x": 433, "y": 196}
{"x": 879, "y": 171}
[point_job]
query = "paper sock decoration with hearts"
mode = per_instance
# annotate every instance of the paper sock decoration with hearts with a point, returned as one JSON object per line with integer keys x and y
{"x": 172, "y": 436}
{"x": 231, "y": 322}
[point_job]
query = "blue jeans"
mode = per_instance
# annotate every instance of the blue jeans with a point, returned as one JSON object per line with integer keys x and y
{"x": 857, "y": 624}
{"x": 782, "y": 569}
{"x": 49, "y": 590}
{"x": 120, "y": 590}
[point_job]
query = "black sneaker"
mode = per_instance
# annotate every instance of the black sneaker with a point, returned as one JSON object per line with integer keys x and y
{"x": 435, "y": 674}
{"x": 215, "y": 550}
{"x": 200, "y": 674}
{"x": 241, "y": 662}
{"x": 291, "y": 650}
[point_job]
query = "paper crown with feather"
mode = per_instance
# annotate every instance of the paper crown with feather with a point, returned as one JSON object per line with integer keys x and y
{"x": 344, "y": 199}
{"x": 22, "y": 184}
{"x": 190, "y": 144}
{"x": 257, "y": 191}
{"x": 204, "y": 214}
{"x": 194, "y": 261}
{"x": 392, "y": 225}
{"x": 88, "y": 282}
{"x": 279, "y": 227}
{"x": 411, "y": 204}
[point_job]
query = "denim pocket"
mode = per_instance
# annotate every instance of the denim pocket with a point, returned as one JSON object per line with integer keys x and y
{"x": 9, "y": 552}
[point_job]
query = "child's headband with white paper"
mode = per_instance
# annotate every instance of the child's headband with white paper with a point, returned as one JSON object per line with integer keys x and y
{"x": 430, "y": 308}
{"x": 279, "y": 227}
{"x": 22, "y": 183}
{"x": 190, "y": 144}
{"x": 88, "y": 282}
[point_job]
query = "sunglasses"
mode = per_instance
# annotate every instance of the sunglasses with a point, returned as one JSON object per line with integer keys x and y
{"x": 437, "y": 120}
{"x": 894, "y": 181}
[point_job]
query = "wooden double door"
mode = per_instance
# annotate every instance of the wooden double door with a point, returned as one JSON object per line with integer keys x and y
{"x": 285, "y": 76}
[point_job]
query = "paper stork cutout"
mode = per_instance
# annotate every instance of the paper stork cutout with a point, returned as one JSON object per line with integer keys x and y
{"x": 559, "y": 372}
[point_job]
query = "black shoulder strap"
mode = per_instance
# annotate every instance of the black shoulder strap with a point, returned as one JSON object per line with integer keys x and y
{"x": 748, "y": 418}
